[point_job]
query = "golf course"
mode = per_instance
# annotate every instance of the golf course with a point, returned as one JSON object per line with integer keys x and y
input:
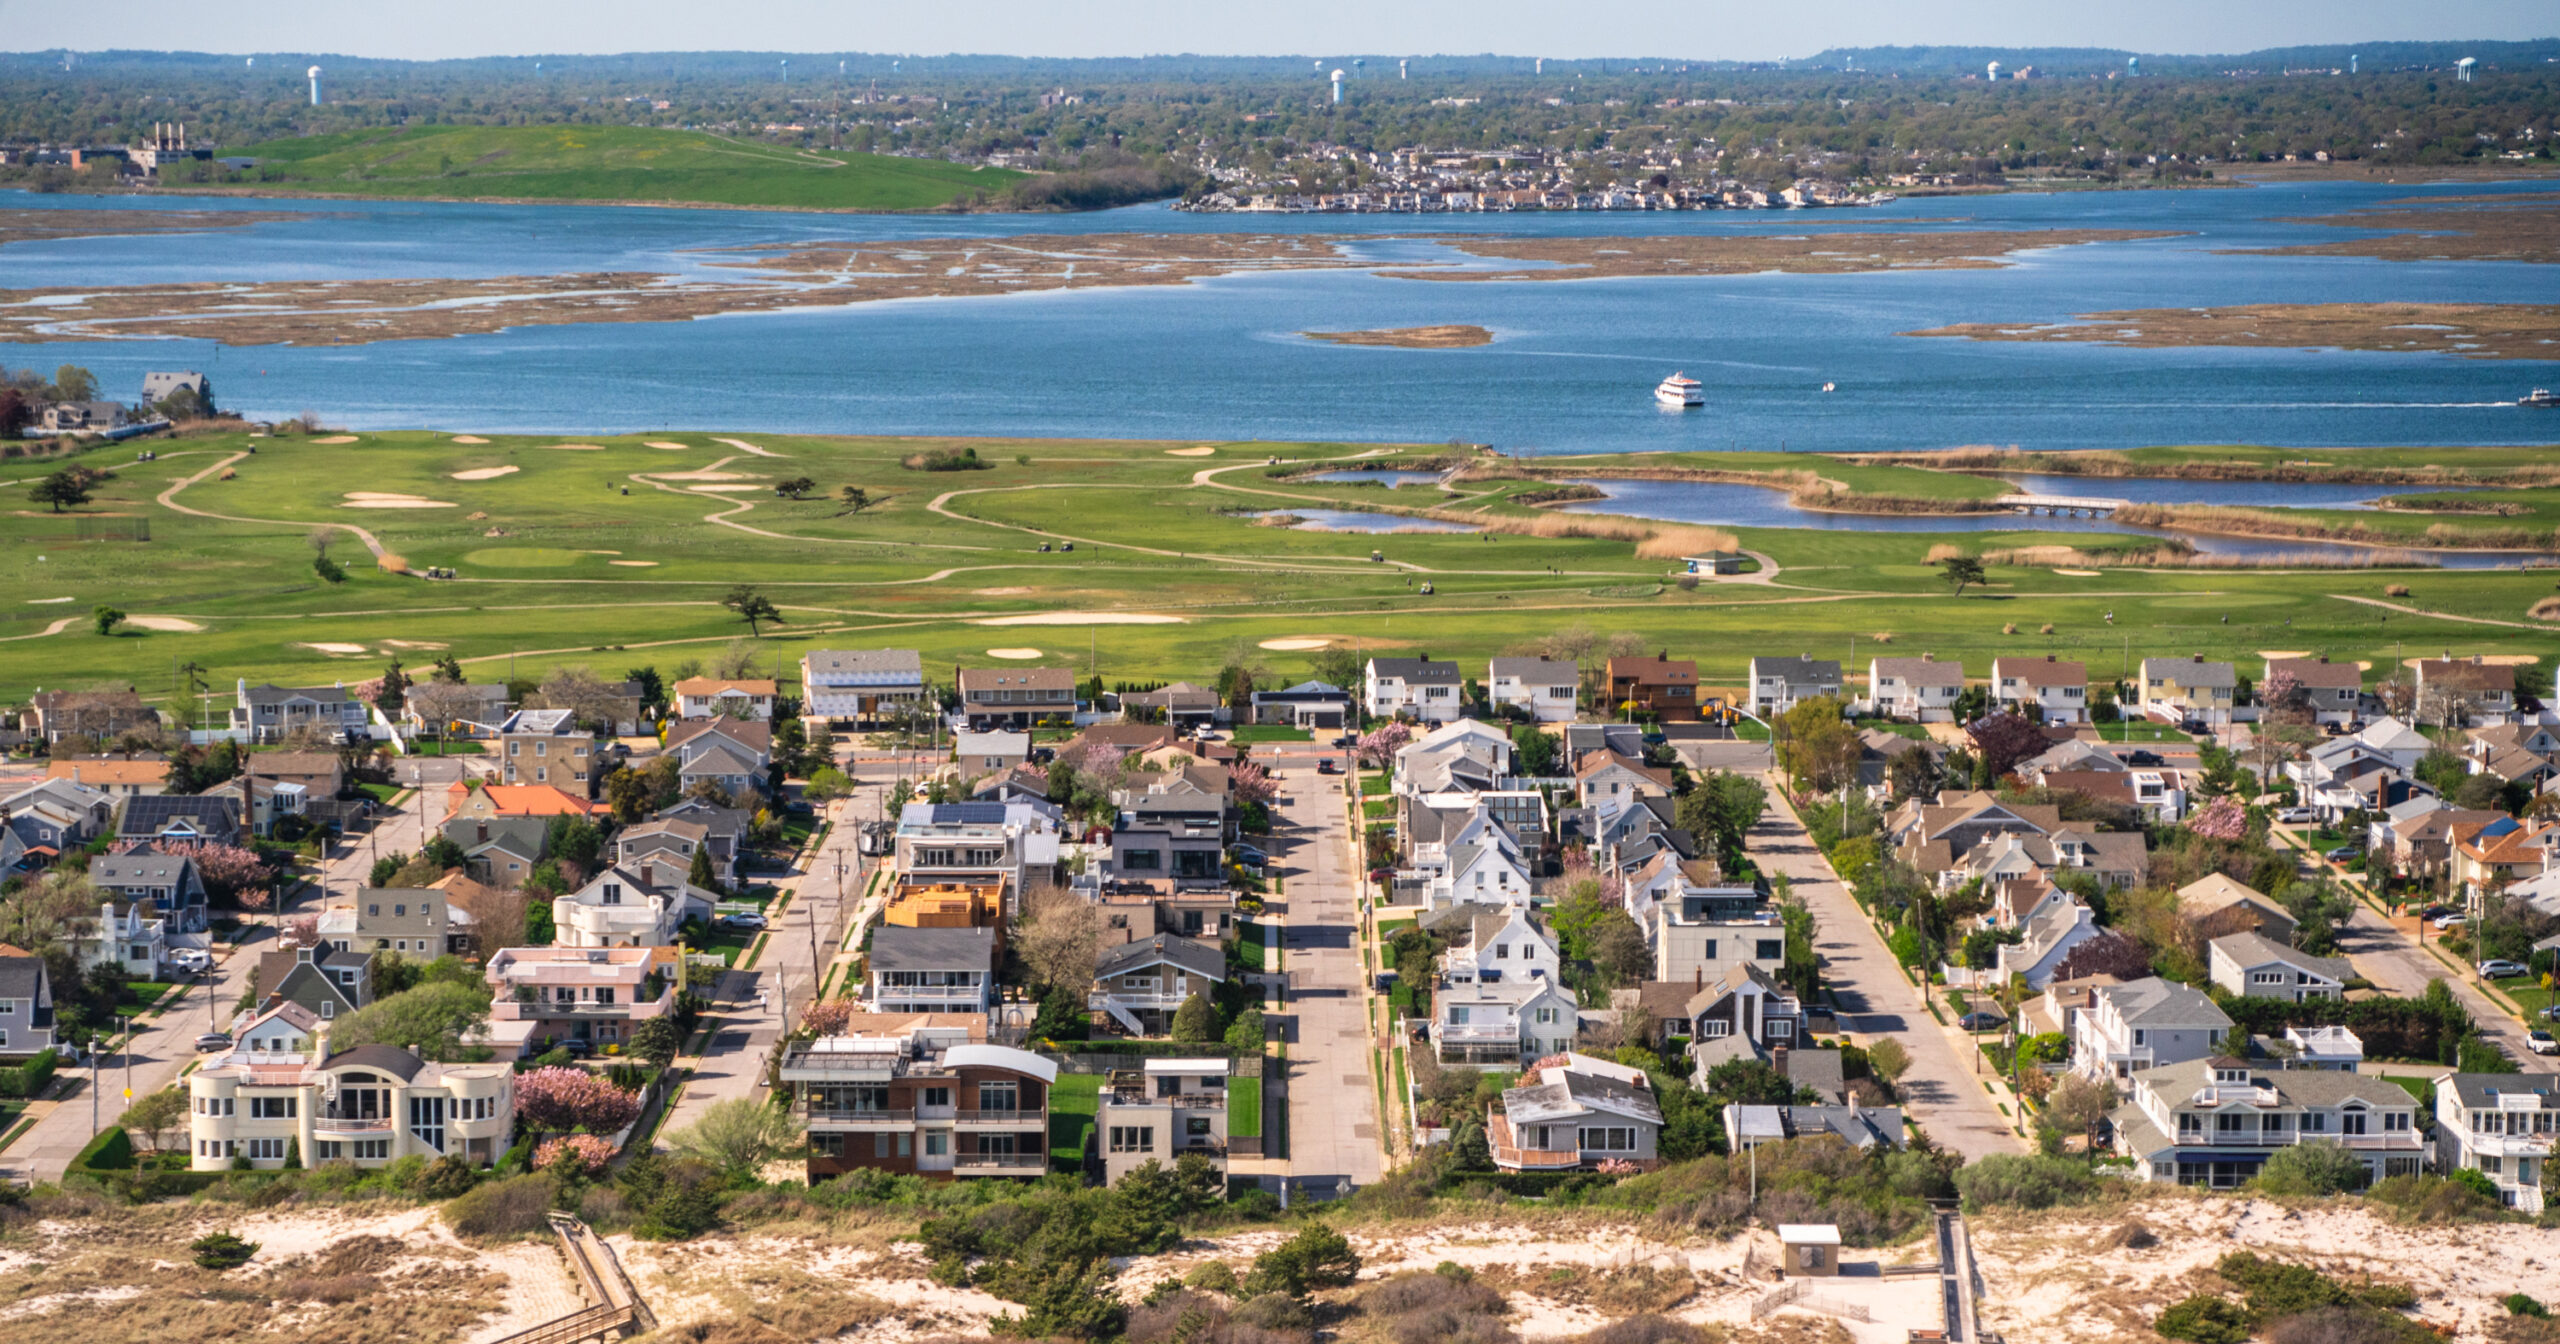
{"x": 1135, "y": 560}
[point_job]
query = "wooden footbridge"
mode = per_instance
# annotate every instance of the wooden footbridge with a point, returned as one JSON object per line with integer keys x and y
{"x": 2062, "y": 506}
{"x": 617, "y": 1313}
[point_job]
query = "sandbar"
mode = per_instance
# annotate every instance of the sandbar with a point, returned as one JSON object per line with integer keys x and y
{"x": 1083, "y": 618}
{"x": 2454, "y": 228}
{"x": 19, "y": 226}
{"x": 2472, "y": 330}
{"x": 177, "y": 623}
{"x": 1790, "y": 254}
{"x": 485, "y": 473}
{"x": 1457, "y": 337}
{"x": 1016, "y": 655}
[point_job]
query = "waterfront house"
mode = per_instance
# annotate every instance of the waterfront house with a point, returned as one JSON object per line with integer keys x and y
{"x": 2502, "y": 1125}
{"x": 1139, "y": 985}
{"x": 369, "y": 1106}
{"x": 919, "y": 1094}
{"x": 1165, "y": 1110}
{"x": 2145, "y": 1024}
{"x": 1864, "y": 1128}
{"x": 2215, "y": 1121}
{"x": 1572, "y": 1112}
{"x": 1498, "y": 1023}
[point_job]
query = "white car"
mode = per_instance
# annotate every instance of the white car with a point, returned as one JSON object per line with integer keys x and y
{"x": 2452, "y": 921}
{"x": 193, "y": 959}
{"x": 2297, "y": 816}
{"x": 2541, "y": 1042}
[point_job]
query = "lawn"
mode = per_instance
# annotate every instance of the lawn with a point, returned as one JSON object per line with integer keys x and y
{"x": 1271, "y": 732}
{"x": 2529, "y": 995}
{"x": 1373, "y": 809}
{"x": 2421, "y": 1088}
{"x": 147, "y": 995}
{"x": 1244, "y": 1108}
{"x": 2144, "y": 730}
{"x": 446, "y": 749}
{"x": 727, "y": 944}
{"x": 1074, "y": 1100}
{"x": 1389, "y": 928}
{"x": 1251, "y": 948}
{"x": 380, "y": 793}
{"x": 608, "y": 163}
{"x": 1375, "y": 785}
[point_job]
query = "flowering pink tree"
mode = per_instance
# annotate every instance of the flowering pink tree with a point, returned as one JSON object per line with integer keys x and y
{"x": 1250, "y": 784}
{"x": 2276, "y": 692}
{"x": 229, "y": 872}
{"x": 560, "y": 1098}
{"x": 581, "y": 1156}
{"x": 1381, "y": 746}
{"x": 2222, "y": 819}
{"x": 828, "y": 1017}
{"x": 1099, "y": 760}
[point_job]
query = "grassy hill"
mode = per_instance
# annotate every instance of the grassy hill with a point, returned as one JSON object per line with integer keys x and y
{"x": 610, "y": 163}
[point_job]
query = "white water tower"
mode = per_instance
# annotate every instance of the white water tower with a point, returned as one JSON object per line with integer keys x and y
{"x": 1400, "y": 70}
{"x": 1542, "y": 65}
{"x": 1992, "y": 72}
{"x": 1337, "y": 84}
{"x": 2463, "y": 68}
{"x": 2133, "y": 67}
{"x": 2352, "y": 60}
{"x": 315, "y": 85}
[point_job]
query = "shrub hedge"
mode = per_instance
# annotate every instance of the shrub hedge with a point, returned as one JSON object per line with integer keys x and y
{"x": 26, "y": 1080}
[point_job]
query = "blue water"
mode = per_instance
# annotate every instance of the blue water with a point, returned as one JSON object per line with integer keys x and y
{"x": 1352, "y": 520}
{"x": 2238, "y": 494}
{"x": 1571, "y": 369}
{"x": 1726, "y": 505}
{"x": 1393, "y": 480}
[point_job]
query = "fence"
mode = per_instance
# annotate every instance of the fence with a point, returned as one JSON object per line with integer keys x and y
{"x": 1799, "y": 1293}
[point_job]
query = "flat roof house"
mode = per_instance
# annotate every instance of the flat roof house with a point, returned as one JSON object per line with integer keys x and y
{"x": 371, "y": 1106}
{"x": 1166, "y": 1110}
{"x": 860, "y": 686}
{"x": 546, "y": 746}
{"x": 926, "y": 1096}
{"x": 1309, "y": 704}
{"x": 598, "y": 994}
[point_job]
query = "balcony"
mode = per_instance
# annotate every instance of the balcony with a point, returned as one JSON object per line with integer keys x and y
{"x": 971, "y": 995}
{"x": 837, "y": 1117}
{"x": 1477, "y": 1033}
{"x": 1164, "y": 1002}
{"x": 1187, "y": 1101}
{"x": 1012, "y": 1164}
{"x": 348, "y": 1124}
{"x": 1015, "y": 1119}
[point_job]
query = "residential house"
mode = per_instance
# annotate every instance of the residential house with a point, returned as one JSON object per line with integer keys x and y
{"x": 750, "y": 698}
{"x": 2332, "y": 1047}
{"x": 1462, "y": 756}
{"x": 2189, "y": 690}
{"x": 1499, "y": 942}
{"x": 268, "y": 713}
{"x": 2215, "y": 1121}
{"x": 924, "y": 1096}
{"x": 1182, "y": 703}
{"x": 2501, "y": 1125}
{"x": 1484, "y": 864}
{"x": 1545, "y": 689}
{"x": 1699, "y": 937}
{"x": 601, "y": 995}
{"x": 501, "y": 850}
{"x": 1915, "y": 690}
{"x": 546, "y": 746}
{"x": 1128, "y": 916}
{"x": 1662, "y": 686}
{"x": 1313, "y": 705}
{"x": 76, "y": 417}
{"x": 1016, "y": 842}
{"x": 1016, "y": 697}
{"x": 1572, "y": 1112}
{"x": 51, "y": 817}
{"x": 2045, "y": 689}
{"x": 1933, "y": 836}
{"x": 2261, "y": 968}
{"x": 724, "y": 832}
{"x": 948, "y": 905}
{"x": 162, "y": 878}
{"x": 1743, "y": 1013}
{"x": 1498, "y": 1023}
{"x": 2056, "y": 926}
{"x": 1414, "y": 688}
{"x": 2359, "y": 773}
{"x": 128, "y": 935}
{"x": 2333, "y": 692}
{"x": 213, "y": 818}
{"x": 2415, "y": 837}
{"x": 1780, "y": 684}
{"x": 2489, "y": 856}
{"x": 2459, "y": 691}
{"x": 1166, "y": 1110}
{"x": 464, "y": 802}
{"x": 2115, "y": 858}
{"x": 476, "y": 706}
{"x": 2144, "y": 1024}
{"x": 1864, "y": 1128}
{"x": 26, "y": 1005}
{"x": 115, "y": 776}
{"x": 1173, "y": 840}
{"x": 419, "y": 923}
{"x": 325, "y": 980}
{"x": 733, "y": 755}
{"x": 989, "y": 753}
{"x": 1608, "y": 782}
{"x": 2216, "y": 905}
{"x": 1140, "y": 985}
{"x": 370, "y": 1106}
{"x": 51, "y": 716}
{"x": 932, "y": 970}
{"x": 322, "y": 774}
{"x": 280, "y": 1033}
{"x": 860, "y": 686}
{"x": 2520, "y": 752}
{"x": 640, "y": 904}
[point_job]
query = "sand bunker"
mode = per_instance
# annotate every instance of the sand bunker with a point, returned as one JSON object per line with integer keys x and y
{"x": 337, "y": 438}
{"x": 468, "y": 438}
{"x": 982, "y": 592}
{"x": 1083, "y": 618}
{"x": 485, "y": 473}
{"x": 1189, "y": 452}
{"x": 2077, "y": 573}
{"x": 1294, "y": 645}
{"x": 669, "y": 446}
{"x": 634, "y": 564}
{"x": 335, "y": 648}
{"x": 2284, "y": 653}
{"x": 577, "y": 447}
{"x": 375, "y": 499}
{"x": 2492, "y": 659}
{"x": 413, "y": 644}
{"x": 1017, "y": 654}
{"x": 45, "y": 601}
{"x": 179, "y": 624}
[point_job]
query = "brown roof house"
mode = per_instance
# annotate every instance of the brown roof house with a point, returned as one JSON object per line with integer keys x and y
{"x": 1016, "y": 697}
{"x": 2457, "y": 691}
{"x": 2217, "y": 906}
{"x": 1661, "y": 685}
{"x": 54, "y": 715}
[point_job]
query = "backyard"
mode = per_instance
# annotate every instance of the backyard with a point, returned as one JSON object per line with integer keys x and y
{"x": 1074, "y": 1100}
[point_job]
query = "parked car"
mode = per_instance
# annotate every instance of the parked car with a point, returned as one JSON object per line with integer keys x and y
{"x": 1328, "y": 766}
{"x": 2434, "y": 910}
{"x": 2342, "y": 853}
{"x": 1979, "y": 1021}
{"x": 1347, "y": 740}
{"x": 2451, "y": 921}
{"x": 572, "y": 1046}
{"x": 2143, "y": 758}
{"x": 1248, "y": 856}
{"x": 748, "y": 922}
{"x": 1381, "y": 874}
{"x": 2552, "y": 1013}
{"x": 2296, "y": 816}
{"x": 2541, "y": 1042}
{"x": 212, "y": 1041}
{"x": 2499, "y": 968}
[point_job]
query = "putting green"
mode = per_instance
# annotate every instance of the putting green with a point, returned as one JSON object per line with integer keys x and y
{"x": 523, "y": 557}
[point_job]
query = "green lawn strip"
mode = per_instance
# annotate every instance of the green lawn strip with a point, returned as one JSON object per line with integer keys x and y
{"x": 753, "y": 953}
{"x": 1389, "y": 928}
{"x": 16, "y": 1131}
{"x": 1374, "y": 785}
{"x": 643, "y": 1140}
{"x": 1244, "y": 1108}
{"x": 2421, "y": 1088}
{"x": 1074, "y": 1100}
{"x": 1251, "y": 945}
{"x": 1373, "y": 809}
{"x": 1271, "y": 732}
{"x": 2528, "y": 995}
{"x": 385, "y": 794}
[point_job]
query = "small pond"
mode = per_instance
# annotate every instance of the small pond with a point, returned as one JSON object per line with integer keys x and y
{"x": 1393, "y": 480}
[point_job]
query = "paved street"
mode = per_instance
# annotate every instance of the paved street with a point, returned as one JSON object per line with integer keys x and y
{"x": 165, "y": 1046}
{"x": 1333, "y": 1100}
{"x": 1940, "y": 1091}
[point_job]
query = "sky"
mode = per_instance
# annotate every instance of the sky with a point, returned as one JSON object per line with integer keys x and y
{"x": 1677, "y": 29}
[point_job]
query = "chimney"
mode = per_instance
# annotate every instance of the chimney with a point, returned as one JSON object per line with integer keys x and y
{"x": 484, "y": 832}
{"x": 416, "y": 1051}
{"x": 1700, "y": 982}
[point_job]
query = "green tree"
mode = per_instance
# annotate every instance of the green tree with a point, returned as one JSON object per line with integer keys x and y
{"x": 737, "y": 1137}
{"x": 701, "y": 874}
{"x": 2316, "y": 1167}
{"x": 854, "y": 499}
{"x": 219, "y": 1251}
{"x": 798, "y": 487}
{"x": 1245, "y": 1034}
{"x": 69, "y": 486}
{"x": 437, "y": 1017}
{"x": 1962, "y": 572}
{"x": 1195, "y": 1022}
{"x": 106, "y": 617}
{"x": 73, "y": 383}
{"x": 1317, "y": 1257}
{"x": 1817, "y": 746}
{"x": 443, "y": 852}
{"x": 1722, "y": 809}
{"x": 1888, "y": 1059}
{"x": 657, "y": 1040}
{"x": 1617, "y": 946}
{"x": 1074, "y": 1302}
{"x": 752, "y": 607}
{"x": 156, "y": 1114}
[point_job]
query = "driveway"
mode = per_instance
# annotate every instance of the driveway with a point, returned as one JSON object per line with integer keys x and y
{"x": 1940, "y": 1091}
{"x": 1333, "y": 1100}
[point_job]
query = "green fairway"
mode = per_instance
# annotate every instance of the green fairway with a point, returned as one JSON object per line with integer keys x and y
{"x": 610, "y": 163}
{"x": 614, "y": 553}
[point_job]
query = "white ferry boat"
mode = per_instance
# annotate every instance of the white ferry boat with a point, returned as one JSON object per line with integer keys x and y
{"x": 1681, "y": 390}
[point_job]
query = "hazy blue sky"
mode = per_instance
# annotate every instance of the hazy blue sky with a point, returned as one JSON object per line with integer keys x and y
{"x": 1564, "y": 28}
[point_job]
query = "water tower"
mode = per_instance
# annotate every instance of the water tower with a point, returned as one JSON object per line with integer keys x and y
{"x": 2463, "y": 68}
{"x": 1337, "y": 84}
{"x": 1992, "y": 72}
{"x": 1400, "y": 71}
{"x": 1542, "y": 65}
{"x": 2133, "y": 67}
{"x": 1359, "y": 66}
{"x": 2352, "y": 60}
{"x": 315, "y": 85}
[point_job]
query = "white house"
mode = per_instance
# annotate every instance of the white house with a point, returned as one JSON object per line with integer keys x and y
{"x": 371, "y": 1106}
{"x": 130, "y": 935}
{"x": 1544, "y": 688}
{"x": 1498, "y": 947}
{"x": 1780, "y": 684}
{"x": 2261, "y": 968}
{"x": 2145, "y": 1024}
{"x": 2046, "y": 688}
{"x": 1417, "y": 688}
{"x": 2215, "y": 1121}
{"x": 639, "y": 904}
{"x": 1501, "y": 1023}
{"x": 859, "y": 685}
{"x": 746, "y": 698}
{"x": 2501, "y": 1125}
{"x": 1915, "y": 690}
{"x": 2058, "y": 924}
